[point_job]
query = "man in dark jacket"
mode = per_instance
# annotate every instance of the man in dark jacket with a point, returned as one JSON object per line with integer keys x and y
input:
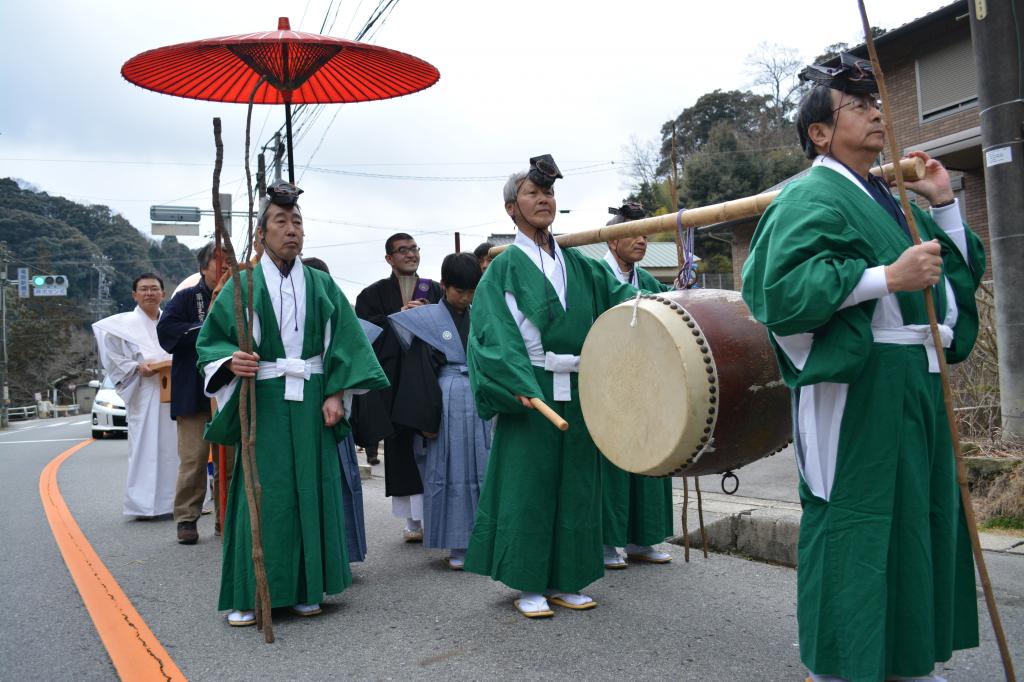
{"x": 403, "y": 290}
{"x": 177, "y": 330}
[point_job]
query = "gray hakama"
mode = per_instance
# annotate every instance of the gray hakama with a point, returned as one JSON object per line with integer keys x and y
{"x": 452, "y": 465}
{"x": 351, "y": 484}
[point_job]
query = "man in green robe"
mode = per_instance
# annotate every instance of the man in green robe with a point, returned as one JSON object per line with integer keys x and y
{"x": 637, "y": 510}
{"x": 885, "y": 585}
{"x": 309, "y": 351}
{"x": 538, "y": 523}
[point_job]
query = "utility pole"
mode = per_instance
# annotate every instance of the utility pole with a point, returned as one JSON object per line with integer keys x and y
{"x": 261, "y": 176}
{"x": 1001, "y": 101}
{"x": 5, "y": 394}
{"x": 674, "y": 196}
{"x": 278, "y": 156}
{"x": 100, "y": 305}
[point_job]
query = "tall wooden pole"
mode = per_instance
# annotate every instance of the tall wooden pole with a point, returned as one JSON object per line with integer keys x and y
{"x": 247, "y": 417}
{"x": 961, "y": 474}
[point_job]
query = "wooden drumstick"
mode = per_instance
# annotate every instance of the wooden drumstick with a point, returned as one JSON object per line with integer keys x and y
{"x": 551, "y": 415}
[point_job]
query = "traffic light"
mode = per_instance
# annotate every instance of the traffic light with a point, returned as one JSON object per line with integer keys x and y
{"x": 50, "y": 285}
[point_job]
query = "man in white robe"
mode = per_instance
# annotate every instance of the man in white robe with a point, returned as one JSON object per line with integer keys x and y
{"x": 128, "y": 349}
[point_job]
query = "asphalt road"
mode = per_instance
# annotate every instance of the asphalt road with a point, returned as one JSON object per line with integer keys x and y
{"x": 406, "y": 617}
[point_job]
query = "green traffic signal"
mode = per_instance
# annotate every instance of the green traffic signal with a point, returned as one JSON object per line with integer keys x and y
{"x": 39, "y": 280}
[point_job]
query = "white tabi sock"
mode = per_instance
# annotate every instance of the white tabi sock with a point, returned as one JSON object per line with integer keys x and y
{"x": 638, "y": 549}
{"x": 646, "y": 551}
{"x": 532, "y": 602}
{"x": 574, "y": 598}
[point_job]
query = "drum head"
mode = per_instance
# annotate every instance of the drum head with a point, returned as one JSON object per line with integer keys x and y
{"x": 643, "y": 387}
{"x": 691, "y": 388}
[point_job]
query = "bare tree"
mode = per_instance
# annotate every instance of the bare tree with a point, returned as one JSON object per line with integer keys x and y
{"x": 642, "y": 158}
{"x": 774, "y": 68}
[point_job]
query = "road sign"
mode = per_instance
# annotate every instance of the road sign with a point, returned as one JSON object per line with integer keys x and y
{"x": 225, "y": 210}
{"x": 174, "y": 214}
{"x": 22, "y": 282}
{"x": 175, "y": 229}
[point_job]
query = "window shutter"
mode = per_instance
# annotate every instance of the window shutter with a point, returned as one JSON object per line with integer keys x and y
{"x": 947, "y": 78}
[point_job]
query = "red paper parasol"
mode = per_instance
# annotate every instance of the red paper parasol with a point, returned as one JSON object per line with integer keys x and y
{"x": 295, "y": 68}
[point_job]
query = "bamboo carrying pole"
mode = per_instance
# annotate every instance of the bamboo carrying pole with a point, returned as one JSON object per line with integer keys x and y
{"x": 246, "y": 403}
{"x": 737, "y": 209}
{"x": 961, "y": 474}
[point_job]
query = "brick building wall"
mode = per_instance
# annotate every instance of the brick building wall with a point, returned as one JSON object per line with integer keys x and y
{"x": 911, "y": 132}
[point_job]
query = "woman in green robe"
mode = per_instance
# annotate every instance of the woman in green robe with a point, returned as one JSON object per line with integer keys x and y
{"x": 637, "y": 510}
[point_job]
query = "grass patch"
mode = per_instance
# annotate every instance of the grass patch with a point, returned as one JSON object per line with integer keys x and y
{"x": 1003, "y": 523}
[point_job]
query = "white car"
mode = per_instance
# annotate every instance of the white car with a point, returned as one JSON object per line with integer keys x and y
{"x": 108, "y": 412}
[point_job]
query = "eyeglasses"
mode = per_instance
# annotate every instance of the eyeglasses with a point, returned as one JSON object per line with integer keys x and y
{"x": 860, "y": 105}
{"x": 406, "y": 250}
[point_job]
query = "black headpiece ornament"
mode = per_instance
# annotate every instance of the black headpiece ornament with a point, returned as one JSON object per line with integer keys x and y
{"x": 543, "y": 171}
{"x": 283, "y": 193}
{"x": 853, "y": 75}
{"x": 631, "y": 210}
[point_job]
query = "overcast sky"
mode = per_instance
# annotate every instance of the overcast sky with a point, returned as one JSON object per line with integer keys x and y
{"x": 571, "y": 78}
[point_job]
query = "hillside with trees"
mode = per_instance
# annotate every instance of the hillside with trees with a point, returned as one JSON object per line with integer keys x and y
{"x": 50, "y": 343}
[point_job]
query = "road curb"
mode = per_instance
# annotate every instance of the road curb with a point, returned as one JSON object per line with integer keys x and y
{"x": 769, "y": 530}
{"x": 765, "y": 530}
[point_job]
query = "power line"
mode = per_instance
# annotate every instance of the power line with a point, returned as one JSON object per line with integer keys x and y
{"x": 602, "y": 167}
{"x": 304, "y": 10}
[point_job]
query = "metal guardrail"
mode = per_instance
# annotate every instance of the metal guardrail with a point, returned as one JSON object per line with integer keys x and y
{"x": 50, "y": 411}
{"x": 21, "y": 412}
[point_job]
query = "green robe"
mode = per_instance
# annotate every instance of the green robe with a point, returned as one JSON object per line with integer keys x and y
{"x": 297, "y": 457}
{"x": 538, "y": 524}
{"x": 635, "y": 509}
{"x": 886, "y": 580}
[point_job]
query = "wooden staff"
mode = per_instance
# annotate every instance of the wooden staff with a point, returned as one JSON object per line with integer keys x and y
{"x": 550, "y": 414}
{"x": 737, "y": 209}
{"x": 961, "y": 473}
{"x": 253, "y": 491}
{"x": 686, "y": 520}
{"x": 700, "y": 517}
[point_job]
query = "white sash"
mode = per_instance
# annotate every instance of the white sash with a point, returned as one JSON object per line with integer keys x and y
{"x": 296, "y": 373}
{"x": 913, "y": 335}
{"x": 562, "y": 366}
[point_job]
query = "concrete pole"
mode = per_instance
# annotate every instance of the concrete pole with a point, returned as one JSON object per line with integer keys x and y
{"x": 278, "y": 154}
{"x": 5, "y": 395}
{"x": 1001, "y": 101}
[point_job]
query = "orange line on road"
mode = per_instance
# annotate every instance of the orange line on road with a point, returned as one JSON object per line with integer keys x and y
{"x": 135, "y": 651}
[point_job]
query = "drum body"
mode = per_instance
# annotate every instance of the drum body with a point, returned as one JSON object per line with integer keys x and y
{"x": 683, "y": 383}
